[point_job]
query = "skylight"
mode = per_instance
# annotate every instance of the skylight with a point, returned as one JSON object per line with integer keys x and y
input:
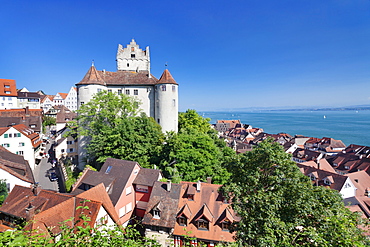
{"x": 108, "y": 169}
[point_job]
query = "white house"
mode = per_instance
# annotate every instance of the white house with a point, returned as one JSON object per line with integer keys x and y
{"x": 71, "y": 100}
{"x": 22, "y": 140}
{"x": 14, "y": 169}
{"x": 8, "y": 94}
{"x": 46, "y": 102}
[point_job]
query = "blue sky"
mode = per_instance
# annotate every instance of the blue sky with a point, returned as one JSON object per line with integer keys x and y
{"x": 224, "y": 54}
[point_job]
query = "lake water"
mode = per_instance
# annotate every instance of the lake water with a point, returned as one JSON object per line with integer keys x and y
{"x": 352, "y": 127}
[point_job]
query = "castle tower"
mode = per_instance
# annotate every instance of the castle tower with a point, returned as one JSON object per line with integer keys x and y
{"x": 91, "y": 84}
{"x": 132, "y": 58}
{"x": 166, "y": 101}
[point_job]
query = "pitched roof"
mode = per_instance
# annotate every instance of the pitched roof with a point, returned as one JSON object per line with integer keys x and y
{"x": 63, "y": 95}
{"x": 29, "y": 133}
{"x": 114, "y": 174}
{"x": 166, "y": 78}
{"x": 92, "y": 77}
{"x": 8, "y": 88}
{"x": 169, "y": 202}
{"x": 323, "y": 165}
{"x": 147, "y": 177}
{"x": 361, "y": 180}
{"x": 15, "y": 165}
{"x": 208, "y": 202}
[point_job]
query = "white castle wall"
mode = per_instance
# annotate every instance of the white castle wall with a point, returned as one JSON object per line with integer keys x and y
{"x": 133, "y": 58}
{"x": 166, "y": 111}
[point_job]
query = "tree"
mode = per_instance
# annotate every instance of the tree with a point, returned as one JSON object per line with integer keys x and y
{"x": 118, "y": 129}
{"x": 195, "y": 152}
{"x": 48, "y": 121}
{"x": 279, "y": 206}
{"x": 3, "y": 191}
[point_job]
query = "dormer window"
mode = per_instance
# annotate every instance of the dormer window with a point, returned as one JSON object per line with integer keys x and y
{"x": 182, "y": 221}
{"x": 335, "y": 164}
{"x": 225, "y": 225}
{"x": 191, "y": 197}
{"x": 346, "y": 167}
{"x": 156, "y": 213}
{"x": 202, "y": 224}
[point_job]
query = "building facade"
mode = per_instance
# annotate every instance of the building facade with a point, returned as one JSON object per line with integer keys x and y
{"x": 158, "y": 97}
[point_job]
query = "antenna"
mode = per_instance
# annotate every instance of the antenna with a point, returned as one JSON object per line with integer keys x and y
{"x": 92, "y": 63}
{"x": 166, "y": 65}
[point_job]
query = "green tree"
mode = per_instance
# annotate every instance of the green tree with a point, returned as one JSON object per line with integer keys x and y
{"x": 48, "y": 121}
{"x": 195, "y": 152}
{"x": 118, "y": 129}
{"x": 3, "y": 191}
{"x": 279, "y": 206}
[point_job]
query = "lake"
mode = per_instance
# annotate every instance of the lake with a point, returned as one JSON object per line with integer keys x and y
{"x": 352, "y": 127}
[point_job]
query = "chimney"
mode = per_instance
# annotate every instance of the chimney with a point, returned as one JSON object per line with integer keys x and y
{"x": 209, "y": 180}
{"x": 26, "y": 111}
{"x": 30, "y": 211}
{"x": 198, "y": 186}
{"x": 36, "y": 188}
{"x": 168, "y": 185}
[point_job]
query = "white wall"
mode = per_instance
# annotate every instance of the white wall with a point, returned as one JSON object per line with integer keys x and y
{"x": 12, "y": 180}
{"x": 348, "y": 189}
{"x": 16, "y": 147}
{"x": 7, "y": 102}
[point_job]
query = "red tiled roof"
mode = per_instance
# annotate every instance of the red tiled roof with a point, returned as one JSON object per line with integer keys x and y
{"x": 166, "y": 78}
{"x": 8, "y": 87}
{"x": 92, "y": 77}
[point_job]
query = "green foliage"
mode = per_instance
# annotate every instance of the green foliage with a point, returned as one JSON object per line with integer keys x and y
{"x": 279, "y": 206}
{"x": 81, "y": 235}
{"x": 48, "y": 121}
{"x": 195, "y": 152}
{"x": 3, "y": 191}
{"x": 118, "y": 129}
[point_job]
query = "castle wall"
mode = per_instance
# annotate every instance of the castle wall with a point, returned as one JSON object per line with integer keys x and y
{"x": 166, "y": 110}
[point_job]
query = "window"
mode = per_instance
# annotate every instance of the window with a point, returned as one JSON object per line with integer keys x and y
{"x": 163, "y": 87}
{"x": 82, "y": 103}
{"x": 18, "y": 134}
{"x": 21, "y": 144}
{"x": 119, "y": 91}
{"x": 225, "y": 225}
{"x": 19, "y": 152}
{"x": 132, "y": 55}
{"x": 128, "y": 190}
{"x": 191, "y": 197}
{"x": 132, "y": 48}
{"x": 142, "y": 188}
{"x": 347, "y": 185}
{"x": 128, "y": 65}
{"x": 156, "y": 213}
{"x": 99, "y": 90}
{"x": 6, "y": 135}
{"x": 6, "y": 145}
{"x": 62, "y": 150}
{"x": 122, "y": 211}
{"x": 15, "y": 134}
{"x": 127, "y": 91}
{"x": 136, "y": 92}
{"x": 202, "y": 224}
{"x": 173, "y": 102}
{"x": 71, "y": 150}
{"x": 6, "y": 86}
{"x": 129, "y": 207}
{"x": 10, "y": 135}
{"x": 158, "y": 120}
{"x": 182, "y": 221}
{"x": 173, "y": 88}
{"x": 69, "y": 142}
{"x": 109, "y": 168}
{"x": 109, "y": 90}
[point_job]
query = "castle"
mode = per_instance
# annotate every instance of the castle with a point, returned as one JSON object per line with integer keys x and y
{"x": 158, "y": 97}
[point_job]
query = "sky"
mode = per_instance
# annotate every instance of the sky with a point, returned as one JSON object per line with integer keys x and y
{"x": 223, "y": 54}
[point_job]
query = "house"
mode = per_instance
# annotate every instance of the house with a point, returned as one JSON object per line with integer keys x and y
{"x": 32, "y": 100}
{"x": 63, "y": 116}
{"x": 224, "y": 125}
{"x": 46, "y": 102}
{"x": 161, "y": 213}
{"x": 331, "y": 180}
{"x": 302, "y": 155}
{"x": 22, "y": 140}
{"x": 71, "y": 99}
{"x": 352, "y": 159}
{"x": 204, "y": 214}
{"x": 361, "y": 201}
{"x": 118, "y": 177}
{"x": 330, "y": 146}
{"x": 8, "y": 94}
{"x": 59, "y": 99}
{"x": 321, "y": 164}
{"x": 32, "y": 118}
{"x": 14, "y": 170}
{"x": 45, "y": 210}
{"x": 66, "y": 147}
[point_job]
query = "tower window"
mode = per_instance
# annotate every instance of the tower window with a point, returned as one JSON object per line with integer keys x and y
{"x": 128, "y": 65}
{"x": 173, "y": 102}
{"x": 132, "y": 55}
{"x": 173, "y": 88}
{"x": 163, "y": 87}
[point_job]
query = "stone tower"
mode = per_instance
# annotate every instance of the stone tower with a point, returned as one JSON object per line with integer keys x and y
{"x": 132, "y": 58}
{"x": 166, "y": 102}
